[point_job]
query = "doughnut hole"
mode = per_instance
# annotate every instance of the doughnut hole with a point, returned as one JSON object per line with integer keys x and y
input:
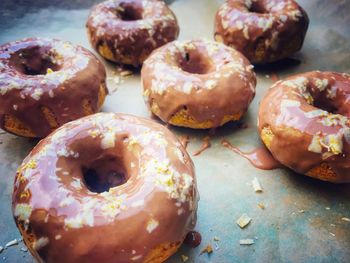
{"x": 195, "y": 62}
{"x": 35, "y": 61}
{"x": 320, "y": 100}
{"x": 103, "y": 174}
{"x": 129, "y": 12}
{"x": 258, "y": 7}
{"x": 323, "y": 103}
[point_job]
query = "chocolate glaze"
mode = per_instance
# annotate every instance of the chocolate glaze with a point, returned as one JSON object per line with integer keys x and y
{"x": 193, "y": 239}
{"x": 131, "y": 29}
{"x": 263, "y": 30}
{"x": 38, "y": 72}
{"x": 205, "y": 145}
{"x": 308, "y": 116}
{"x": 61, "y": 220}
{"x": 260, "y": 158}
{"x": 207, "y": 79}
{"x": 184, "y": 139}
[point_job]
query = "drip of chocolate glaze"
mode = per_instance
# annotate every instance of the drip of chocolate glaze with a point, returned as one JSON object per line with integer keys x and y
{"x": 260, "y": 158}
{"x": 193, "y": 239}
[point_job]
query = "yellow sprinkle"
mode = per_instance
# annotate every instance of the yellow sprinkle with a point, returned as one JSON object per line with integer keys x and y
{"x": 31, "y": 164}
{"x": 94, "y": 133}
{"x": 335, "y": 144}
{"x": 25, "y": 194}
{"x": 184, "y": 258}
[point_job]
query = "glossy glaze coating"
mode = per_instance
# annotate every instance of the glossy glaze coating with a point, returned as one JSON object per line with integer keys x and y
{"x": 198, "y": 84}
{"x": 260, "y": 157}
{"x": 45, "y": 83}
{"x": 263, "y": 30}
{"x": 304, "y": 122}
{"x": 155, "y": 203}
{"x": 127, "y": 31}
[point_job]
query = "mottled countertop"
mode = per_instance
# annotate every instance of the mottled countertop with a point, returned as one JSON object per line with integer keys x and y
{"x": 302, "y": 221}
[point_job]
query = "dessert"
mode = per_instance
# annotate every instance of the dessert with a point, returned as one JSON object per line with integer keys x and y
{"x": 304, "y": 122}
{"x": 106, "y": 188}
{"x": 198, "y": 84}
{"x": 45, "y": 83}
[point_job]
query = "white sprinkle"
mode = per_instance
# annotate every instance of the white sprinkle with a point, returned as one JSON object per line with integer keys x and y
{"x": 40, "y": 243}
{"x": 345, "y": 219}
{"x": 108, "y": 140}
{"x": 1, "y": 249}
{"x": 136, "y": 257}
{"x": 51, "y": 94}
{"x": 24, "y": 249}
{"x": 23, "y": 211}
{"x": 243, "y": 221}
{"x": 15, "y": 107}
{"x": 66, "y": 201}
{"x": 315, "y": 145}
{"x": 290, "y": 103}
{"x": 256, "y": 185}
{"x": 125, "y": 73}
{"x": 76, "y": 184}
{"x": 117, "y": 80}
{"x": 246, "y": 242}
{"x": 37, "y": 94}
{"x": 246, "y": 33}
{"x": 57, "y": 237}
{"x": 187, "y": 87}
{"x": 239, "y": 25}
{"x": 321, "y": 84}
{"x": 283, "y": 18}
{"x": 315, "y": 113}
{"x": 11, "y": 243}
{"x": 152, "y": 225}
{"x": 138, "y": 203}
{"x": 210, "y": 84}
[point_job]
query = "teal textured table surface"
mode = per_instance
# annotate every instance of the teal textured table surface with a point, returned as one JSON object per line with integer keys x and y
{"x": 303, "y": 219}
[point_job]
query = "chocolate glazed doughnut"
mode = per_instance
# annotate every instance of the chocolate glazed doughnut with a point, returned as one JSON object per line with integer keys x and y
{"x": 263, "y": 30}
{"x": 308, "y": 115}
{"x": 45, "y": 83}
{"x": 106, "y": 188}
{"x": 127, "y": 31}
{"x": 198, "y": 84}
